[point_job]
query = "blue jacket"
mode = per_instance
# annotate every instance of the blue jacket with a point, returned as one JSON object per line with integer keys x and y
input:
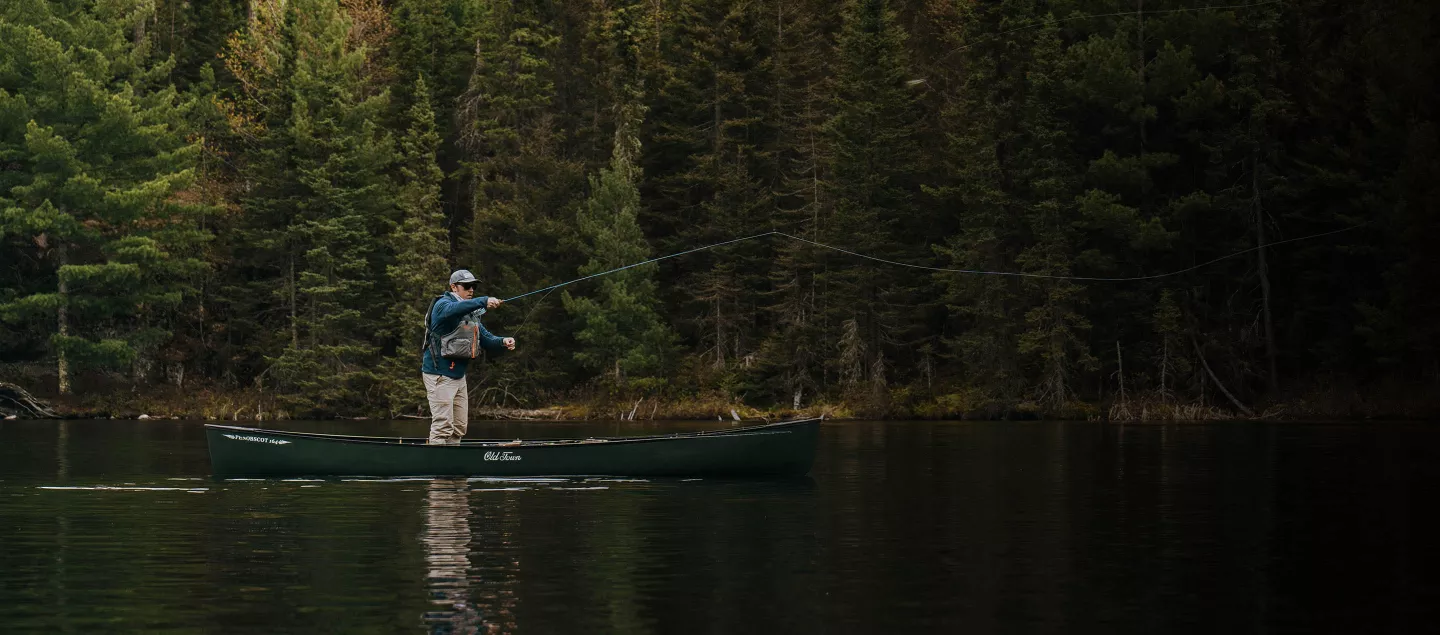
{"x": 444, "y": 317}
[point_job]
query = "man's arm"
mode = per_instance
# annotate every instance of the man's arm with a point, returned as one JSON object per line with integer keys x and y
{"x": 489, "y": 340}
{"x": 458, "y": 308}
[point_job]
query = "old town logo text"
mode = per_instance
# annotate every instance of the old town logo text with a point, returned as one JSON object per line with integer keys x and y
{"x": 501, "y": 456}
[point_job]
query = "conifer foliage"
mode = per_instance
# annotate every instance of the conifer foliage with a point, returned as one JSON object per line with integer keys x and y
{"x": 264, "y": 195}
{"x": 101, "y": 243}
{"x": 619, "y": 332}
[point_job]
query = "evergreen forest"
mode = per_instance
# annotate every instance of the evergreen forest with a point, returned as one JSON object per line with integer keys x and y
{"x": 1219, "y": 208}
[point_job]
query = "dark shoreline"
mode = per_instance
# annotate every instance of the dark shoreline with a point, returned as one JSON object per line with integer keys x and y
{"x": 1317, "y": 400}
{"x": 245, "y": 408}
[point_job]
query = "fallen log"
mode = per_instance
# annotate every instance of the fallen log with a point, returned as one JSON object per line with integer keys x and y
{"x": 1211, "y": 373}
{"x": 15, "y": 401}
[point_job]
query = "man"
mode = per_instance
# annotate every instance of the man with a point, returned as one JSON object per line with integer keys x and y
{"x": 445, "y": 378}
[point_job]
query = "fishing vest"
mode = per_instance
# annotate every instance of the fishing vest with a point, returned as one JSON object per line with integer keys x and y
{"x": 461, "y": 343}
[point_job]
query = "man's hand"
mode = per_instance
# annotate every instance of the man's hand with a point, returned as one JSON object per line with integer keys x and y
{"x": 510, "y": 343}
{"x": 493, "y": 302}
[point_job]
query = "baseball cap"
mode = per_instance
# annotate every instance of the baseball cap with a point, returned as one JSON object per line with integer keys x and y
{"x": 462, "y": 276}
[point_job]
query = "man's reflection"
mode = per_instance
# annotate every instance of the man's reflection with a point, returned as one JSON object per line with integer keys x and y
{"x": 447, "y": 557}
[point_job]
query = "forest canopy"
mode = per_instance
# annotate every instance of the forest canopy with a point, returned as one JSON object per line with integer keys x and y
{"x": 266, "y": 195}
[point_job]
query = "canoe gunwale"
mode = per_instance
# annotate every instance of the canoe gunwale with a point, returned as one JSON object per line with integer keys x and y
{"x": 780, "y": 427}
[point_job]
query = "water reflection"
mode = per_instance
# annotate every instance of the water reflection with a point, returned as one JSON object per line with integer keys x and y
{"x": 468, "y": 598}
{"x": 904, "y": 527}
{"x": 447, "y": 558}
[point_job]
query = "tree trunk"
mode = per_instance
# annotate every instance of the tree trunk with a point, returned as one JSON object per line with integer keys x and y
{"x": 1120, "y": 362}
{"x": 719, "y": 333}
{"x": 1215, "y": 379}
{"x": 1140, "y": 21}
{"x": 1164, "y": 367}
{"x": 294, "y": 311}
{"x": 719, "y": 288}
{"x": 1273, "y": 376}
{"x": 139, "y": 34}
{"x": 63, "y": 362}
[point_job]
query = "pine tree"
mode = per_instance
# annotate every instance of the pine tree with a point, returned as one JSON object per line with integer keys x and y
{"x": 96, "y": 140}
{"x": 794, "y": 351}
{"x": 319, "y": 205}
{"x": 194, "y": 33}
{"x": 620, "y": 332}
{"x": 1047, "y": 181}
{"x": 420, "y": 241}
{"x": 516, "y": 156}
{"x": 1010, "y": 196}
{"x": 342, "y": 159}
{"x": 1138, "y": 94}
{"x": 710, "y": 158}
{"x": 873, "y": 184}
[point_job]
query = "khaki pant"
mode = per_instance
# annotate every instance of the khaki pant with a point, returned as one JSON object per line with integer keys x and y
{"x": 449, "y": 407}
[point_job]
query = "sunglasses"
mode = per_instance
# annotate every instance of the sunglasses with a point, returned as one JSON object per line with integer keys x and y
{"x": 469, "y": 286}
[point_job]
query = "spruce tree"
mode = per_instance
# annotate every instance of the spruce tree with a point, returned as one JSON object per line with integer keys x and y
{"x": 711, "y": 155}
{"x": 96, "y": 141}
{"x": 421, "y": 243}
{"x": 327, "y": 183}
{"x": 1055, "y": 337}
{"x": 194, "y": 33}
{"x": 619, "y": 331}
{"x": 436, "y": 39}
{"x": 432, "y": 38}
{"x": 342, "y": 163}
{"x": 1261, "y": 113}
{"x": 1364, "y": 154}
{"x": 986, "y": 191}
{"x": 512, "y": 150}
{"x": 520, "y": 230}
{"x": 797, "y": 345}
{"x": 256, "y": 287}
{"x": 874, "y": 188}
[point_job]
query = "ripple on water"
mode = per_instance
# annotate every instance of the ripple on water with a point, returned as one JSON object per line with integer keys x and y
{"x": 114, "y": 488}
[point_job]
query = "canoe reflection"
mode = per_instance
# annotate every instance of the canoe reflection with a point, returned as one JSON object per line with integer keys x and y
{"x": 458, "y": 608}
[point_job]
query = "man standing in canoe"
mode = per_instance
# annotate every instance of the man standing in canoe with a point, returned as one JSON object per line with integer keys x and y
{"x": 444, "y": 374}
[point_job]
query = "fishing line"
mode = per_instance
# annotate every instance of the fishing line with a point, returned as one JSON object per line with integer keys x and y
{"x": 533, "y": 310}
{"x": 617, "y": 269}
{"x": 978, "y": 272}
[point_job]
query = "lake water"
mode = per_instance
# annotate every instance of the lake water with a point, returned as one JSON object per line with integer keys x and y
{"x": 902, "y": 527}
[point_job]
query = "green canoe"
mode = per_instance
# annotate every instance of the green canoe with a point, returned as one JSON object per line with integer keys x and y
{"x": 785, "y": 448}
